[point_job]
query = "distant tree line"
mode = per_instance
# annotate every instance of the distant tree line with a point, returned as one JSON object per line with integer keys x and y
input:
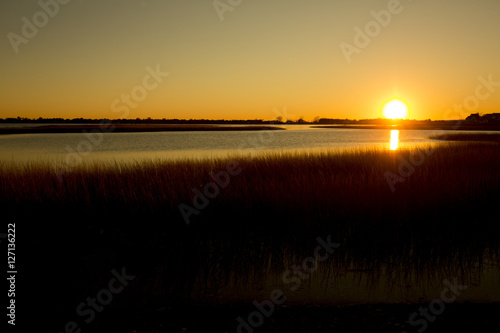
{"x": 476, "y": 118}
{"x": 149, "y": 120}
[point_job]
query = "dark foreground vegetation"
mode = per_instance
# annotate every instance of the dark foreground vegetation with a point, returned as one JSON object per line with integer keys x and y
{"x": 481, "y": 137}
{"x": 441, "y": 220}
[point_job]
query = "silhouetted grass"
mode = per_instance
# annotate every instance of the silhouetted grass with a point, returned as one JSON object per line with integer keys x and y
{"x": 443, "y": 217}
{"x": 476, "y": 137}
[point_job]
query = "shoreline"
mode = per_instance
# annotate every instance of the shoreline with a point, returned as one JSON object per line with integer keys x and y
{"x": 120, "y": 128}
{"x": 131, "y": 128}
{"x": 444, "y": 127}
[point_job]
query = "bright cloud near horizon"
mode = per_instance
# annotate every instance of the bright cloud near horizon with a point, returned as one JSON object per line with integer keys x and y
{"x": 243, "y": 59}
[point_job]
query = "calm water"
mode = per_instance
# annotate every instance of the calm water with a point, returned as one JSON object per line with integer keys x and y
{"x": 174, "y": 145}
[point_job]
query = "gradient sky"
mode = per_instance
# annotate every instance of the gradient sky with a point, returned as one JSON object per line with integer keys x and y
{"x": 265, "y": 55}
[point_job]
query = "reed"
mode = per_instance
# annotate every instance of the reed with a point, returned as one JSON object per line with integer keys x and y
{"x": 444, "y": 216}
{"x": 469, "y": 137}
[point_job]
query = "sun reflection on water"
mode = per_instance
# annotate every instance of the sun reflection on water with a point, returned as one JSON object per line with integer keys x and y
{"x": 394, "y": 139}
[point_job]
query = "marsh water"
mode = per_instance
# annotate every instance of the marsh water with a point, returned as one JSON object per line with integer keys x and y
{"x": 199, "y": 144}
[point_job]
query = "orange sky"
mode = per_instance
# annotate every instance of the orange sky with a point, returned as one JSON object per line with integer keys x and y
{"x": 263, "y": 56}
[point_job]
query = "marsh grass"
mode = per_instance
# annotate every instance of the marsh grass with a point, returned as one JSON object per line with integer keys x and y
{"x": 442, "y": 218}
{"x": 469, "y": 137}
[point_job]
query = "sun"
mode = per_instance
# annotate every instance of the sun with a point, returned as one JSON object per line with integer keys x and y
{"x": 395, "y": 109}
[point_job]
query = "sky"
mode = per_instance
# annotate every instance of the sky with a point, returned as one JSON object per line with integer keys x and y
{"x": 243, "y": 59}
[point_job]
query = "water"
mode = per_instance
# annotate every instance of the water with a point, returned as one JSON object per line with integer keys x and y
{"x": 193, "y": 144}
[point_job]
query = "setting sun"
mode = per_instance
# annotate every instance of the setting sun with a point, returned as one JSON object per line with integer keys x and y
{"x": 395, "y": 109}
